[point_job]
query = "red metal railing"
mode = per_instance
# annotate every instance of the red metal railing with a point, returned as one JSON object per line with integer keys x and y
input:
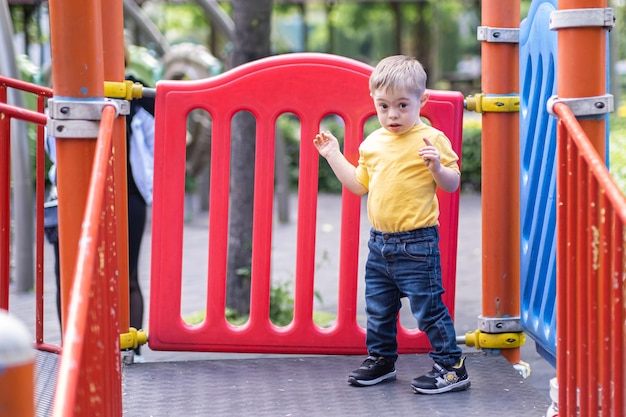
{"x": 89, "y": 379}
{"x": 89, "y": 265}
{"x": 40, "y": 119}
{"x": 591, "y": 220}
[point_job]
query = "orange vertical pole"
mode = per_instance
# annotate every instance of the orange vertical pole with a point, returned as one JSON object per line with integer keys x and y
{"x": 78, "y": 75}
{"x": 113, "y": 48}
{"x": 500, "y": 172}
{"x": 581, "y": 62}
{"x": 582, "y": 67}
{"x": 117, "y": 230}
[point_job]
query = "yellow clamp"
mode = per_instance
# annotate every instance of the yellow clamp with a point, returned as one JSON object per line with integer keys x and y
{"x": 494, "y": 340}
{"x": 481, "y": 103}
{"x": 133, "y": 339}
{"x": 126, "y": 90}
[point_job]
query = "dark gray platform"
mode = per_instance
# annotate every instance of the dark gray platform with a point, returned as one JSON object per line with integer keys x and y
{"x": 317, "y": 386}
{"x": 215, "y": 384}
{"x": 304, "y": 386}
{"x": 46, "y": 368}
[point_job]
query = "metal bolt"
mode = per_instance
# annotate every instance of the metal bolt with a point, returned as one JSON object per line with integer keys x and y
{"x": 60, "y": 129}
{"x": 65, "y": 110}
{"x": 599, "y": 105}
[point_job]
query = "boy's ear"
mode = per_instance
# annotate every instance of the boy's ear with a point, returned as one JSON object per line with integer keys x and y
{"x": 424, "y": 98}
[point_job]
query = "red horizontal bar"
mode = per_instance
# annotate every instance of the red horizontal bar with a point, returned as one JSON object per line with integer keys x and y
{"x": 23, "y": 114}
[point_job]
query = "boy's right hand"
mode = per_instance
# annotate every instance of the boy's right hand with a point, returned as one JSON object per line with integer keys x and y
{"x": 325, "y": 143}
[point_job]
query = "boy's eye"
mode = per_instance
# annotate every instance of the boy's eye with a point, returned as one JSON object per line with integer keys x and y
{"x": 383, "y": 106}
{"x": 403, "y": 105}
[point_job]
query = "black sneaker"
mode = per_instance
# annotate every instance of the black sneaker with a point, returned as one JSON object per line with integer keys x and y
{"x": 372, "y": 371}
{"x": 442, "y": 379}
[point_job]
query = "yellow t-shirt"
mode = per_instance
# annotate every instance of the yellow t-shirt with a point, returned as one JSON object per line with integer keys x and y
{"x": 401, "y": 188}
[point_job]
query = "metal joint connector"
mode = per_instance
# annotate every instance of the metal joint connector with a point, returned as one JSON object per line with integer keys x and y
{"x": 127, "y": 90}
{"x": 577, "y": 18}
{"x": 499, "y": 324}
{"x": 584, "y": 106}
{"x": 481, "y": 103}
{"x": 84, "y": 110}
{"x": 481, "y": 340}
{"x": 80, "y": 119}
{"x": 498, "y": 35}
{"x": 133, "y": 339}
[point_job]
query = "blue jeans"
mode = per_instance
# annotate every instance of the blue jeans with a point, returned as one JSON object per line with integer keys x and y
{"x": 407, "y": 264}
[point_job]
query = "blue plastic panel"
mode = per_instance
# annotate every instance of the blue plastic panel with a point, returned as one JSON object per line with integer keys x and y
{"x": 538, "y": 49}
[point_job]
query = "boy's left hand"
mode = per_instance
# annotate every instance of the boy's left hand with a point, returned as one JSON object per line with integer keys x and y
{"x": 431, "y": 157}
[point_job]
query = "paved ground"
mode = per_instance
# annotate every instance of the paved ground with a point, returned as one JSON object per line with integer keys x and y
{"x": 468, "y": 289}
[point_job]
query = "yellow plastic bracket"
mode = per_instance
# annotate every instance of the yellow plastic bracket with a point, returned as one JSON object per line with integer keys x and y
{"x": 482, "y": 340}
{"x": 133, "y": 339}
{"x": 481, "y": 103}
{"x": 126, "y": 90}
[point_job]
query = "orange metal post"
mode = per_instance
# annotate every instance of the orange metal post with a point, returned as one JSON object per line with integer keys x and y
{"x": 78, "y": 75}
{"x": 582, "y": 67}
{"x": 500, "y": 172}
{"x": 76, "y": 45}
{"x": 113, "y": 48}
{"x": 581, "y": 62}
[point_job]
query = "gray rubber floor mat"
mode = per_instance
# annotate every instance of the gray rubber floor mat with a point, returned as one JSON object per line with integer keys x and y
{"x": 317, "y": 386}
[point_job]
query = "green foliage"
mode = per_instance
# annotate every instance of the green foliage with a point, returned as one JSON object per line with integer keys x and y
{"x": 281, "y": 304}
{"x": 30, "y": 73}
{"x": 617, "y": 156}
{"x": 289, "y": 127}
{"x": 346, "y": 29}
{"x": 143, "y": 65}
{"x": 471, "y": 157}
{"x": 619, "y": 31}
{"x": 179, "y": 22}
{"x": 25, "y": 19}
{"x": 281, "y": 310}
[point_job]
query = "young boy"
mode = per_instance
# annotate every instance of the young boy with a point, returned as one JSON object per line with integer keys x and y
{"x": 400, "y": 166}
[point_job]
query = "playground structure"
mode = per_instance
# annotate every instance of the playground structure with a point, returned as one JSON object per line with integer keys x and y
{"x": 593, "y": 240}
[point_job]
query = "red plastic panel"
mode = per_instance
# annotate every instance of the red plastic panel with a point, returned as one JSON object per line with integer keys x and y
{"x": 311, "y": 86}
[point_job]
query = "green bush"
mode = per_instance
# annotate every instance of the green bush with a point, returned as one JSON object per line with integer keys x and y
{"x": 617, "y": 156}
{"x": 281, "y": 310}
{"x": 289, "y": 127}
{"x": 471, "y": 156}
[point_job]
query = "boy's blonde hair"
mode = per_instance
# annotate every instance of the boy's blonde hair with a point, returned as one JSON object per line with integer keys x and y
{"x": 399, "y": 72}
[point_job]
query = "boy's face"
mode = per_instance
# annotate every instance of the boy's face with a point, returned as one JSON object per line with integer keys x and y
{"x": 398, "y": 110}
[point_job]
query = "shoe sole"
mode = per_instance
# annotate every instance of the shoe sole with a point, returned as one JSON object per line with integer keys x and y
{"x": 459, "y": 386}
{"x": 369, "y": 382}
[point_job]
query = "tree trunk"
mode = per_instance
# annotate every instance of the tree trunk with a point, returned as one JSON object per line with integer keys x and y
{"x": 252, "y": 20}
{"x": 422, "y": 46}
